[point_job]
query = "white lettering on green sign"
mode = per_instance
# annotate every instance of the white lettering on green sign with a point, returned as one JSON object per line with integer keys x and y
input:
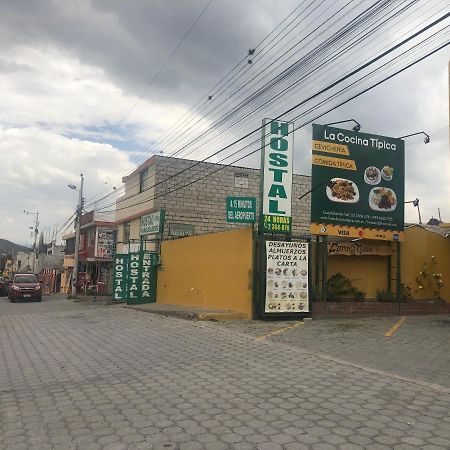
{"x": 277, "y": 167}
{"x": 241, "y": 209}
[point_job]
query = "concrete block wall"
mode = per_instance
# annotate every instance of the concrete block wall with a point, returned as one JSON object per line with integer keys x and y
{"x": 202, "y": 203}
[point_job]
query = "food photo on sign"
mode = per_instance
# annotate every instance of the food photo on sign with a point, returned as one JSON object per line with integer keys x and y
{"x": 358, "y": 184}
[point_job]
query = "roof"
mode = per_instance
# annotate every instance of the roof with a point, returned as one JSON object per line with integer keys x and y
{"x": 432, "y": 228}
{"x": 153, "y": 159}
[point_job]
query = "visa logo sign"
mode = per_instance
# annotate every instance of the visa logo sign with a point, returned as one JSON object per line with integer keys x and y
{"x": 343, "y": 233}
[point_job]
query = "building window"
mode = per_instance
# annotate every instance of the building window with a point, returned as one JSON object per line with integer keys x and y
{"x": 126, "y": 232}
{"x": 143, "y": 176}
{"x": 91, "y": 237}
{"x": 241, "y": 180}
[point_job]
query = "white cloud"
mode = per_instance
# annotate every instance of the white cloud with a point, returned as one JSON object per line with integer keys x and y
{"x": 37, "y": 165}
{"x": 78, "y": 68}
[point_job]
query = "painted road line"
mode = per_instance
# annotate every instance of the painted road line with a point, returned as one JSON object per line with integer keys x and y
{"x": 281, "y": 330}
{"x": 395, "y": 327}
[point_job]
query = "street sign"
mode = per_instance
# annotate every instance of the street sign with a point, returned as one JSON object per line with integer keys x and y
{"x": 241, "y": 209}
{"x": 181, "y": 229}
{"x": 358, "y": 184}
{"x": 277, "y": 145}
{"x": 152, "y": 223}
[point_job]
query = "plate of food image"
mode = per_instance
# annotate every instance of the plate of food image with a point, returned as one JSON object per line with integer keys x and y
{"x": 342, "y": 191}
{"x": 372, "y": 175}
{"x": 387, "y": 172}
{"x": 382, "y": 199}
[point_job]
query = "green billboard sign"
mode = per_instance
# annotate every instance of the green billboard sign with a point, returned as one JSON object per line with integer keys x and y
{"x": 358, "y": 184}
{"x": 277, "y": 154}
{"x": 135, "y": 277}
{"x": 120, "y": 277}
{"x": 241, "y": 209}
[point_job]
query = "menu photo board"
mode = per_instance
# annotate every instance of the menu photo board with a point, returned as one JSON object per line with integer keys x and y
{"x": 287, "y": 285}
{"x": 358, "y": 184}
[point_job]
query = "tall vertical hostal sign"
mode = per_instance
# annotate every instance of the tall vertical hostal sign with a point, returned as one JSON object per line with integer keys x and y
{"x": 277, "y": 145}
{"x": 120, "y": 286}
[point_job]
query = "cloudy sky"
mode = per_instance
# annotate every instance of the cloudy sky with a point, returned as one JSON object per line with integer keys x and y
{"x": 98, "y": 86}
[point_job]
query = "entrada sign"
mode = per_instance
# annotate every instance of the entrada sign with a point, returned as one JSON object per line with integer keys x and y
{"x": 276, "y": 169}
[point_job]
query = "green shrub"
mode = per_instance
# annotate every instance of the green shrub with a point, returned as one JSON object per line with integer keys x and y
{"x": 386, "y": 296}
{"x": 359, "y": 295}
{"x": 339, "y": 287}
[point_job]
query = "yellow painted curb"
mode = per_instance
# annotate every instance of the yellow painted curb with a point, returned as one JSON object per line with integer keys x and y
{"x": 223, "y": 316}
{"x": 279, "y": 331}
{"x": 395, "y": 327}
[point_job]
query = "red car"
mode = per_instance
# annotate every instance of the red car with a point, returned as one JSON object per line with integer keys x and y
{"x": 25, "y": 286}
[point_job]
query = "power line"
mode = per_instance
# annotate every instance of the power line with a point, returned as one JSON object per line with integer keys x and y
{"x": 346, "y": 101}
{"x": 218, "y": 84}
{"x": 158, "y": 73}
{"x": 324, "y": 90}
{"x": 398, "y": 12}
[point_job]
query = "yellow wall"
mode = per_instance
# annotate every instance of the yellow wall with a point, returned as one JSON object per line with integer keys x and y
{"x": 419, "y": 246}
{"x": 212, "y": 271}
{"x": 367, "y": 273}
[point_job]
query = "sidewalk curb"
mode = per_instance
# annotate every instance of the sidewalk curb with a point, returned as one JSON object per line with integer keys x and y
{"x": 191, "y": 315}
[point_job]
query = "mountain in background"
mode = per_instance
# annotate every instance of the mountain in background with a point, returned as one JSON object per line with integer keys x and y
{"x": 8, "y": 247}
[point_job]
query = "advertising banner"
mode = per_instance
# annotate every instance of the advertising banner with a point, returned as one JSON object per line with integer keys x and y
{"x": 241, "y": 209}
{"x": 146, "y": 284}
{"x": 134, "y": 277}
{"x": 358, "y": 184}
{"x": 139, "y": 277}
{"x": 152, "y": 223}
{"x": 360, "y": 248}
{"x": 287, "y": 289}
{"x": 120, "y": 276}
{"x": 276, "y": 176}
{"x": 105, "y": 243}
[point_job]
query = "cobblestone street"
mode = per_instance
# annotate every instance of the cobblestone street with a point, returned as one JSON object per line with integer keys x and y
{"x": 77, "y": 376}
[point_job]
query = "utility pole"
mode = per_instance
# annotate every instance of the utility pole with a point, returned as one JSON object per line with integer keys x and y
{"x": 36, "y": 231}
{"x": 77, "y": 239}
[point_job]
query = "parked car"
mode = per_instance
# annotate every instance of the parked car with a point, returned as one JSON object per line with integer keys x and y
{"x": 25, "y": 286}
{"x": 4, "y": 285}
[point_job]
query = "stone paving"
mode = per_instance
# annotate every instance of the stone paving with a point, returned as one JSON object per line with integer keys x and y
{"x": 76, "y": 376}
{"x": 418, "y": 350}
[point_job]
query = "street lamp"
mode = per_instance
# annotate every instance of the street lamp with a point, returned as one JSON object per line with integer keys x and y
{"x": 357, "y": 127}
{"x": 426, "y": 140}
{"x": 77, "y": 236}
